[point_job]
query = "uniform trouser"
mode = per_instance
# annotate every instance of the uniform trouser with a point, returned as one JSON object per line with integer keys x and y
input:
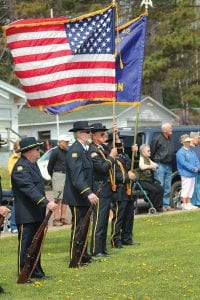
{"x": 78, "y": 214}
{"x": 100, "y": 226}
{"x": 26, "y": 233}
{"x": 122, "y": 223}
{"x": 155, "y": 193}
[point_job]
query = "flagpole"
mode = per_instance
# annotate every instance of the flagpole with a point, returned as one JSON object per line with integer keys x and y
{"x": 147, "y": 3}
{"x": 57, "y": 115}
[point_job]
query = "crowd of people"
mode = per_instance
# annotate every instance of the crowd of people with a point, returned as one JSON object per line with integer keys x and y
{"x": 96, "y": 172}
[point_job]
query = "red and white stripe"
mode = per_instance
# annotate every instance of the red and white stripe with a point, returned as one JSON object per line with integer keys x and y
{"x": 48, "y": 71}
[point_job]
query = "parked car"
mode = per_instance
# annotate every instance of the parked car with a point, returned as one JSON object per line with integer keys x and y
{"x": 145, "y": 136}
{"x": 43, "y": 163}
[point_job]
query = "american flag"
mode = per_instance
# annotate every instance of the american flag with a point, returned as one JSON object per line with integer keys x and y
{"x": 59, "y": 61}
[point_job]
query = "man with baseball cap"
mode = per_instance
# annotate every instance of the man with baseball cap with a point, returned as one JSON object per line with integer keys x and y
{"x": 57, "y": 170}
{"x": 30, "y": 201}
{"x": 78, "y": 193}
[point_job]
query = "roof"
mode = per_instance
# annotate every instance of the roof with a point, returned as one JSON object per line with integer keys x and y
{"x": 11, "y": 89}
{"x": 33, "y": 116}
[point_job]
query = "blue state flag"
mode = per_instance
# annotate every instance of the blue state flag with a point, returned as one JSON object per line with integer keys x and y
{"x": 131, "y": 43}
{"x": 131, "y": 53}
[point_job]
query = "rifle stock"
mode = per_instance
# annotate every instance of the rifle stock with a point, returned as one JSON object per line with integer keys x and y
{"x": 30, "y": 261}
{"x": 27, "y": 269}
{"x": 79, "y": 243}
{"x": 2, "y": 218}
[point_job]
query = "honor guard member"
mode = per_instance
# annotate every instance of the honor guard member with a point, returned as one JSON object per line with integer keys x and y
{"x": 79, "y": 184}
{"x": 122, "y": 202}
{"x": 103, "y": 183}
{"x": 30, "y": 200}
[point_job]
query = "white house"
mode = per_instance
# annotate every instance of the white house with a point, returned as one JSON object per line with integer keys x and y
{"x": 12, "y": 100}
{"x": 34, "y": 122}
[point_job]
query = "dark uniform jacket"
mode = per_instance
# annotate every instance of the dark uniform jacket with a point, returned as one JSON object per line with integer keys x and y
{"x": 162, "y": 149}
{"x": 29, "y": 194}
{"x": 79, "y": 176}
{"x": 101, "y": 167}
{"x": 57, "y": 161}
{"x": 122, "y": 167}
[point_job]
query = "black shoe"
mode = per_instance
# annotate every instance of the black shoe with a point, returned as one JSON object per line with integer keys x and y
{"x": 118, "y": 246}
{"x": 106, "y": 253}
{"x": 81, "y": 265}
{"x": 131, "y": 244}
{"x": 89, "y": 260}
{"x": 1, "y": 290}
{"x": 41, "y": 276}
{"x": 100, "y": 255}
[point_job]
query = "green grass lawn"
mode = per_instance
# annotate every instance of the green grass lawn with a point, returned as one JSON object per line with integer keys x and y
{"x": 165, "y": 266}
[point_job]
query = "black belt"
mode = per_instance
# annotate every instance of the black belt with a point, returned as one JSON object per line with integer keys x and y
{"x": 63, "y": 172}
{"x": 102, "y": 181}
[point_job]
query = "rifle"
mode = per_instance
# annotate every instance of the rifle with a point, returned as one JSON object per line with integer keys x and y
{"x": 80, "y": 244}
{"x": 2, "y": 218}
{"x": 35, "y": 247}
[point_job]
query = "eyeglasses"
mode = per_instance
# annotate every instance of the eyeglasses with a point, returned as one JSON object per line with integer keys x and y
{"x": 86, "y": 131}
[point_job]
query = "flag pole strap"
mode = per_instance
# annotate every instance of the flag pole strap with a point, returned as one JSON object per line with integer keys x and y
{"x": 135, "y": 135}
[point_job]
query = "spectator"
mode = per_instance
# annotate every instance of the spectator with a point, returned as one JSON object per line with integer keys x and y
{"x": 147, "y": 180}
{"x": 188, "y": 167}
{"x": 195, "y": 146}
{"x": 11, "y": 162}
{"x": 57, "y": 170}
{"x": 162, "y": 151}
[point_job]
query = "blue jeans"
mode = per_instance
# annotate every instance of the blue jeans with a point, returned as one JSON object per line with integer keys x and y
{"x": 12, "y": 218}
{"x": 164, "y": 174}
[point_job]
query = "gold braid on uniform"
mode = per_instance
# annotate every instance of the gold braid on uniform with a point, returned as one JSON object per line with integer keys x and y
{"x": 110, "y": 170}
{"x": 128, "y": 190}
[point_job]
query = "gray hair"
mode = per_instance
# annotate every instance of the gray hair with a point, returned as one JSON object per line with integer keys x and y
{"x": 194, "y": 134}
{"x": 142, "y": 147}
{"x": 165, "y": 125}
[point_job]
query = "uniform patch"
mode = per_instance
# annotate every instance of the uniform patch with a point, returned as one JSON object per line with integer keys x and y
{"x": 74, "y": 154}
{"x": 19, "y": 168}
{"x": 93, "y": 154}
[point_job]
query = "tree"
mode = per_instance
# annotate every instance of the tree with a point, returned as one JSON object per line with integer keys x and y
{"x": 173, "y": 54}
